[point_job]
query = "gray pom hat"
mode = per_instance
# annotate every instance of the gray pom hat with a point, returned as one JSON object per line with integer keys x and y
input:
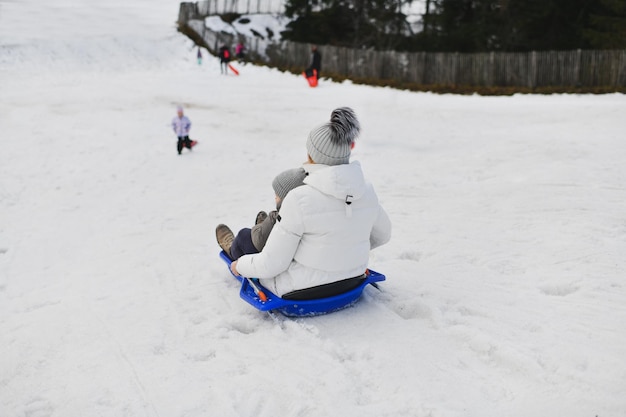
{"x": 287, "y": 181}
{"x": 331, "y": 143}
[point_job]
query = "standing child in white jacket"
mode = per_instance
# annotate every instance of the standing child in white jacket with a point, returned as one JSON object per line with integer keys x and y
{"x": 327, "y": 227}
{"x": 181, "y": 126}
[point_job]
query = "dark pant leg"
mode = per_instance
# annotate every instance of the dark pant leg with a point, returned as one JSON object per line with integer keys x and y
{"x": 179, "y": 145}
{"x": 187, "y": 142}
{"x": 242, "y": 244}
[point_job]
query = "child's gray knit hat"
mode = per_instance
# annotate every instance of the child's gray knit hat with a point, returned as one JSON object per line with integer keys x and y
{"x": 287, "y": 181}
{"x": 331, "y": 143}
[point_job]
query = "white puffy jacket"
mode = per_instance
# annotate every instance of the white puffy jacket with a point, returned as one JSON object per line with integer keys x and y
{"x": 181, "y": 126}
{"x": 324, "y": 234}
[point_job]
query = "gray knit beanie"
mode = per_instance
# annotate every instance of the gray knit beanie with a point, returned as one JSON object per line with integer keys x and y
{"x": 331, "y": 143}
{"x": 287, "y": 181}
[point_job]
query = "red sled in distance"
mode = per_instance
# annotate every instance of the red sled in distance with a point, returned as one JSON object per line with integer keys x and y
{"x": 311, "y": 77}
{"x": 233, "y": 69}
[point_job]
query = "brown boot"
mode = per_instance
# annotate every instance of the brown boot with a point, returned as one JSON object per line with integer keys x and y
{"x": 224, "y": 237}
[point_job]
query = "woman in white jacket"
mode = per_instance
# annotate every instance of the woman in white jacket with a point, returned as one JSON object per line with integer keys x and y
{"x": 327, "y": 227}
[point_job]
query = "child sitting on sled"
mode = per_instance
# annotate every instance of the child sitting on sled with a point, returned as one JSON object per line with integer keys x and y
{"x": 252, "y": 240}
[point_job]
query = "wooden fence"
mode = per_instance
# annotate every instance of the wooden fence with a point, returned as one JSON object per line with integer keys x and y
{"x": 578, "y": 68}
{"x": 214, "y": 7}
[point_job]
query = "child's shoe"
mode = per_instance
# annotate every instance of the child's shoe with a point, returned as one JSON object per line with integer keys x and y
{"x": 224, "y": 237}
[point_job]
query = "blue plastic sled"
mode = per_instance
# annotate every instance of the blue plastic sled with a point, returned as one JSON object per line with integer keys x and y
{"x": 301, "y": 308}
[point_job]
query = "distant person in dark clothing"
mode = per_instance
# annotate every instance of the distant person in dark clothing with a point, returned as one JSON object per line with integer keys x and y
{"x": 316, "y": 63}
{"x": 224, "y": 59}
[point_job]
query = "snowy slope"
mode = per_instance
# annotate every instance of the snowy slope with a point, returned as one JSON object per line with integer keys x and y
{"x": 505, "y": 293}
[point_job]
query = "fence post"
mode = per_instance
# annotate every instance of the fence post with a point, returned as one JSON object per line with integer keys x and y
{"x": 425, "y": 76}
{"x": 621, "y": 72}
{"x": 617, "y": 61}
{"x": 492, "y": 69}
{"x": 533, "y": 69}
{"x": 578, "y": 67}
{"x": 456, "y": 69}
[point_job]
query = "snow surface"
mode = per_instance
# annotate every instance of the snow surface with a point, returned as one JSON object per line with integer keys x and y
{"x": 505, "y": 292}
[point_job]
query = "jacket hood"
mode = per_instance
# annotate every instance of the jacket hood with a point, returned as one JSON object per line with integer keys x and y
{"x": 344, "y": 182}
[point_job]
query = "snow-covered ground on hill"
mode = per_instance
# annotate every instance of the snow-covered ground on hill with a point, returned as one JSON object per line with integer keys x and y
{"x": 505, "y": 291}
